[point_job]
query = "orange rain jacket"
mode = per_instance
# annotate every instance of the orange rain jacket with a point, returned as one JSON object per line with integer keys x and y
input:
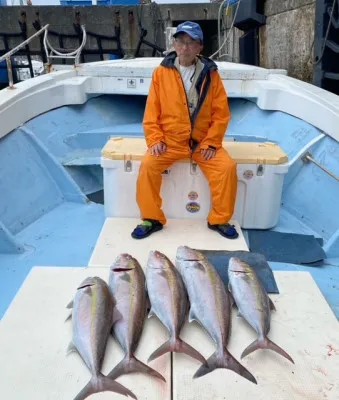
{"x": 167, "y": 118}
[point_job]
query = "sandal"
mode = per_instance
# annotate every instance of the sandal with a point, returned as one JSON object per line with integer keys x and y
{"x": 146, "y": 228}
{"x": 226, "y": 230}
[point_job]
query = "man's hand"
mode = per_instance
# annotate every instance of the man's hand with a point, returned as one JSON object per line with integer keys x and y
{"x": 207, "y": 154}
{"x": 158, "y": 149}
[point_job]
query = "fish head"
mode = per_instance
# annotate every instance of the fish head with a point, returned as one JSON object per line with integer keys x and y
{"x": 158, "y": 260}
{"x": 88, "y": 284}
{"x": 237, "y": 267}
{"x": 124, "y": 263}
{"x": 185, "y": 253}
{"x": 89, "y": 281}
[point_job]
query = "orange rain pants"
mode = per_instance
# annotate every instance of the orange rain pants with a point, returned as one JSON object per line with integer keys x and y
{"x": 220, "y": 172}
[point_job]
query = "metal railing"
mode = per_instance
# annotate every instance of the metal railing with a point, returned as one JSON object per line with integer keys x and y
{"x": 308, "y": 158}
{"x": 75, "y": 54}
{"x": 8, "y": 55}
{"x": 101, "y": 40}
{"x": 57, "y": 54}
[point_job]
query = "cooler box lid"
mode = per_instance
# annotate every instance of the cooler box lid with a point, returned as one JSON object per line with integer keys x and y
{"x": 118, "y": 148}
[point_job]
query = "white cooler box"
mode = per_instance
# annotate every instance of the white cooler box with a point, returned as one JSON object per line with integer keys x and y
{"x": 261, "y": 169}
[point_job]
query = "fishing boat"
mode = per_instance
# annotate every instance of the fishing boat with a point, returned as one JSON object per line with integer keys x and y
{"x": 66, "y": 212}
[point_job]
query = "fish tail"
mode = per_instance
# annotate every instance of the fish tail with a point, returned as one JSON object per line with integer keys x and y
{"x": 178, "y": 346}
{"x": 266, "y": 343}
{"x": 163, "y": 349}
{"x": 227, "y": 361}
{"x": 102, "y": 383}
{"x": 182, "y": 347}
{"x": 130, "y": 365}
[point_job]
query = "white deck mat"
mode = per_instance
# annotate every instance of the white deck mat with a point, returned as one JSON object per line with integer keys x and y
{"x": 303, "y": 325}
{"x": 115, "y": 238}
{"x": 34, "y": 339}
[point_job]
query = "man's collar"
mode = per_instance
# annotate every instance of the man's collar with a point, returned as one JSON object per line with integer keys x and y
{"x": 169, "y": 61}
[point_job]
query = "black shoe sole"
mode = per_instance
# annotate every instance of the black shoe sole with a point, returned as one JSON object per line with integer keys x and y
{"x": 149, "y": 233}
{"x": 213, "y": 228}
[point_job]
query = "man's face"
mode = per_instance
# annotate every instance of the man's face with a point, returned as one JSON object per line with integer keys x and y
{"x": 186, "y": 47}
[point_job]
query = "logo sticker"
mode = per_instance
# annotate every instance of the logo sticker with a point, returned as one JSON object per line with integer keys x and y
{"x": 192, "y": 207}
{"x": 192, "y": 195}
{"x": 131, "y": 83}
{"x": 248, "y": 174}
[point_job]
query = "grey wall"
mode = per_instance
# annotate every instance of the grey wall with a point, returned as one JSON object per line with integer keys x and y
{"x": 285, "y": 40}
{"x": 102, "y": 19}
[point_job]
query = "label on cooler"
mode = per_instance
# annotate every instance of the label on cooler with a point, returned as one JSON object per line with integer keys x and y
{"x": 248, "y": 174}
{"x": 193, "y": 207}
{"x": 193, "y": 195}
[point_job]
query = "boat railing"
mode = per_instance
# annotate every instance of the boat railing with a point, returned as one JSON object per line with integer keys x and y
{"x": 49, "y": 50}
{"x": 8, "y": 55}
{"x": 308, "y": 158}
{"x": 75, "y": 54}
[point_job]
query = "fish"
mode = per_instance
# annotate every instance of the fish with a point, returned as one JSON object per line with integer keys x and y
{"x": 254, "y": 305}
{"x": 211, "y": 307}
{"x": 169, "y": 303}
{"x": 92, "y": 318}
{"x": 127, "y": 285}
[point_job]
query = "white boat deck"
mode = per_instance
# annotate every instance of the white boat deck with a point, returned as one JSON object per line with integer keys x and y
{"x": 115, "y": 238}
{"x": 272, "y": 89}
{"x": 34, "y": 336}
{"x": 143, "y": 67}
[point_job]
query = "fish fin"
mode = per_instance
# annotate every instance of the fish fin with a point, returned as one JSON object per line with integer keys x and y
{"x": 87, "y": 290}
{"x": 188, "y": 305}
{"x": 130, "y": 365}
{"x": 163, "y": 274}
{"x": 69, "y": 316}
{"x": 227, "y": 361}
{"x": 163, "y": 349}
{"x": 232, "y": 301}
{"x": 151, "y": 313}
{"x": 191, "y": 316}
{"x": 272, "y": 306}
{"x": 265, "y": 344}
{"x": 183, "y": 347}
{"x": 199, "y": 266}
{"x": 71, "y": 348}
{"x": 70, "y": 304}
{"x": 148, "y": 304}
{"x": 178, "y": 346}
{"x": 116, "y": 315}
{"x": 102, "y": 383}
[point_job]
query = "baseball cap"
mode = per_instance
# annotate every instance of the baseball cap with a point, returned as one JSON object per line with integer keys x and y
{"x": 192, "y": 29}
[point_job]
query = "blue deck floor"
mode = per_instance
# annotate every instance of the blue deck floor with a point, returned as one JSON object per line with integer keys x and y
{"x": 66, "y": 236}
{"x": 33, "y": 155}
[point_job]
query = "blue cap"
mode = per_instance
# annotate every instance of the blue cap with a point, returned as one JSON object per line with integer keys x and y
{"x": 192, "y": 29}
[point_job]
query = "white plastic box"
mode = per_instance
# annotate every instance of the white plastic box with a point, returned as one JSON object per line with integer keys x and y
{"x": 261, "y": 168}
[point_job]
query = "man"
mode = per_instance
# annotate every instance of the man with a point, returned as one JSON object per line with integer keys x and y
{"x": 186, "y": 116}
